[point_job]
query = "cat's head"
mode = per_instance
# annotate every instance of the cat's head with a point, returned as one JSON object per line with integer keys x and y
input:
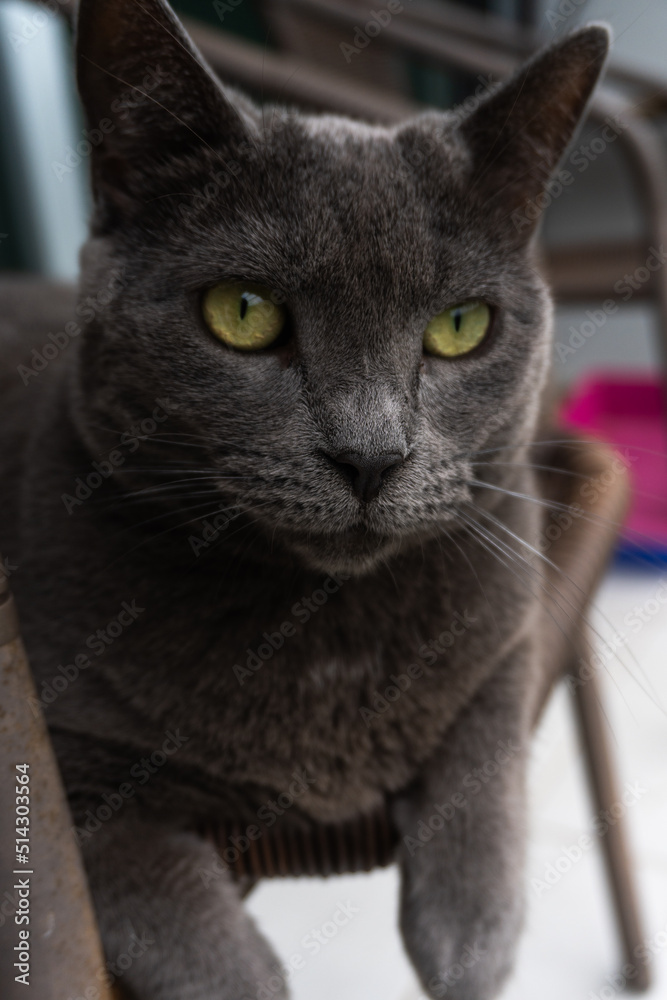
{"x": 293, "y": 281}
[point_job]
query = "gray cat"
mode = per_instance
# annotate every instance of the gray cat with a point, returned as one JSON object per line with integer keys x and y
{"x": 248, "y": 480}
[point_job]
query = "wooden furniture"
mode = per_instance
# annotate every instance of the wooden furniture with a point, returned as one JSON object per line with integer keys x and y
{"x": 65, "y": 951}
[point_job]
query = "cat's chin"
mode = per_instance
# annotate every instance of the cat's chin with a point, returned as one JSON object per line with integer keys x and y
{"x": 352, "y": 554}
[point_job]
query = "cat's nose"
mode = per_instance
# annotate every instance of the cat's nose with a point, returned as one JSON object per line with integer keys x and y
{"x": 365, "y": 473}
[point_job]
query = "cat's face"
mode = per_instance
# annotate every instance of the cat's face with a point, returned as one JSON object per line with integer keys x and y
{"x": 344, "y": 438}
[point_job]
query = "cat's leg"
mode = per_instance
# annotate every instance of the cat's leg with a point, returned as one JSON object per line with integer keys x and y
{"x": 462, "y": 846}
{"x": 166, "y": 903}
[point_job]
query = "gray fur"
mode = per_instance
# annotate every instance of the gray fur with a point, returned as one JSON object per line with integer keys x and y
{"x": 366, "y": 232}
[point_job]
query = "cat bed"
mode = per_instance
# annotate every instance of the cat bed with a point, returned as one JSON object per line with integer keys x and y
{"x": 631, "y": 413}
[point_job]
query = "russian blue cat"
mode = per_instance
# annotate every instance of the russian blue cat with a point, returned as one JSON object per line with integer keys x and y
{"x": 245, "y": 493}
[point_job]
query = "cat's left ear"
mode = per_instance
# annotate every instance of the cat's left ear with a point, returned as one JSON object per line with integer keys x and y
{"x": 147, "y": 94}
{"x": 518, "y": 135}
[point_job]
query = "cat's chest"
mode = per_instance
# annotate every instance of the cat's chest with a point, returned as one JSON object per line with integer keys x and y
{"x": 355, "y": 696}
{"x": 352, "y": 682}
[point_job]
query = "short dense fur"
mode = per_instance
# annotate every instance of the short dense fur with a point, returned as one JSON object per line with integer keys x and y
{"x": 365, "y": 232}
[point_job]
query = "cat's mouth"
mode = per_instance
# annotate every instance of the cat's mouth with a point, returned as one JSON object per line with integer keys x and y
{"x": 369, "y": 535}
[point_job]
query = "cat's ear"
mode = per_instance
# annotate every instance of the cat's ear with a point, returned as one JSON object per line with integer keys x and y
{"x": 146, "y": 91}
{"x": 518, "y": 135}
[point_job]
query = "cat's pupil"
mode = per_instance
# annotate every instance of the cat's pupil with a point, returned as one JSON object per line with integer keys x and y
{"x": 458, "y": 316}
{"x": 243, "y": 308}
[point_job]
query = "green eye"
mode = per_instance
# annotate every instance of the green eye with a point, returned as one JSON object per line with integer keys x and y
{"x": 243, "y": 315}
{"x": 458, "y": 330}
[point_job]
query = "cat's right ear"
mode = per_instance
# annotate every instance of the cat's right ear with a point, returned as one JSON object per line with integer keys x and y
{"x": 148, "y": 95}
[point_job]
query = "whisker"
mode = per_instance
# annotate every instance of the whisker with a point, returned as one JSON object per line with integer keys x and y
{"x": 564, "y": 472}
{"x": 554, "y": 505}
{"x": 653, "y": 694}
{"x": 570, "y": 442}
{"x": 154, "y": 537}
{"x": 167, "y": 513}
{"x": 475, "y": 574}
{"x": 126, "y": 503}
{"x": 157, "y": 103}
{"x": 534, "y": 465}
{"x": 177, "y": 484}
{"x": 483, "y": 537}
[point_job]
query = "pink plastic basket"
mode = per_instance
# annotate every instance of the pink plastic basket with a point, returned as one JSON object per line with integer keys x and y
{"x": 631, "y": 414}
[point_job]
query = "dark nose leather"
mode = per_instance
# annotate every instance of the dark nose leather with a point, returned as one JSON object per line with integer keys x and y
{"x": 365, "y": 473}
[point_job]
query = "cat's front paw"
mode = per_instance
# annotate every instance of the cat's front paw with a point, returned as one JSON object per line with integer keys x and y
{"x": 470, "y": 971}
{"x": 460, "y": 956}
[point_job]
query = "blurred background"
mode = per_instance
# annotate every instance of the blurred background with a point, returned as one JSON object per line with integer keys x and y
{"x": 602, "y": 247}
{"x": 43, "y": 211}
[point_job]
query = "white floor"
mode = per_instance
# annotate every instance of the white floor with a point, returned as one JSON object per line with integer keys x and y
{"x": 570, "y": 950}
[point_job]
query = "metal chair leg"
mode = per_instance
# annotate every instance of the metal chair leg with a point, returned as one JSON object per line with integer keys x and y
{"x": 604, "y": 786}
